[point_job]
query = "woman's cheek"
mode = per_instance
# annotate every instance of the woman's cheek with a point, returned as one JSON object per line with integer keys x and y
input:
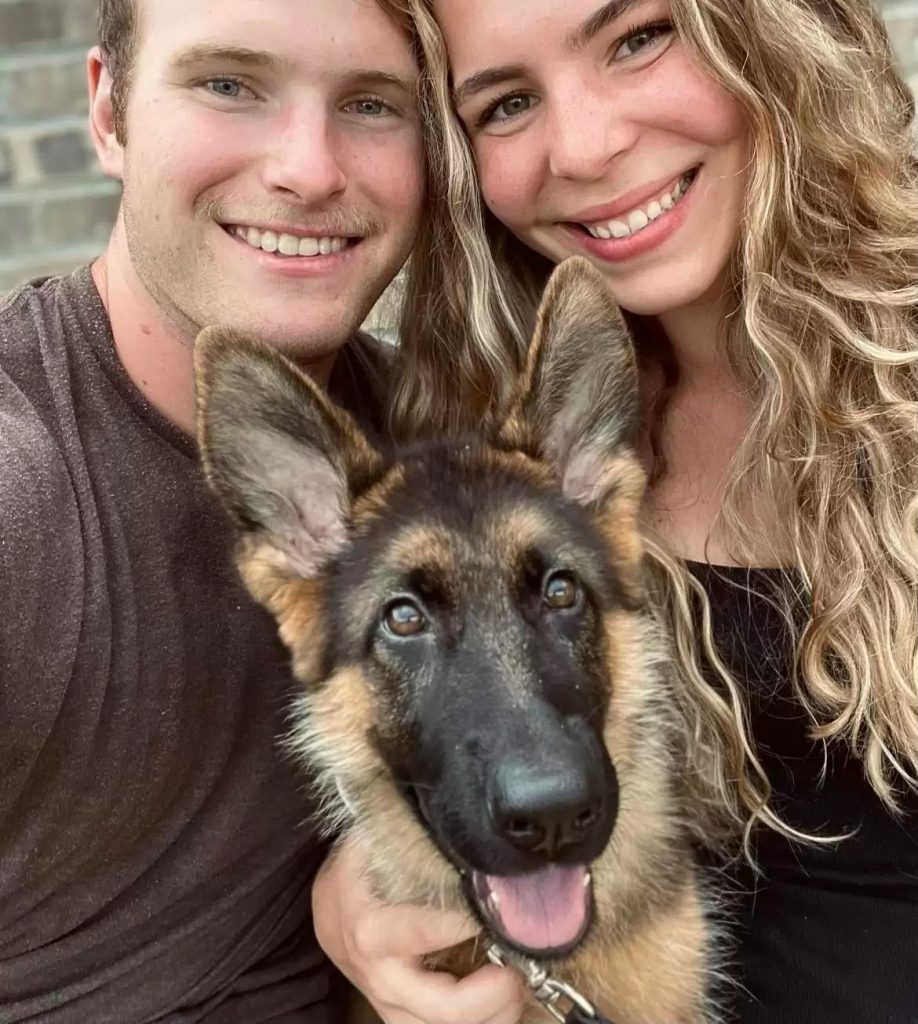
{"x": 506, "y": 188}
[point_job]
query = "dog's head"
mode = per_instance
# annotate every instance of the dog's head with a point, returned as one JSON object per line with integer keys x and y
{"x": 465, "y": 615}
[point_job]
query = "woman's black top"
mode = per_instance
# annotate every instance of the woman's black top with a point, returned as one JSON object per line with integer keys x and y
{"x": 829, "y": 934}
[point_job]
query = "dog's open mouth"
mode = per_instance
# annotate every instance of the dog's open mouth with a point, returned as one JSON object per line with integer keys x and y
{"x": 545, "y": 913}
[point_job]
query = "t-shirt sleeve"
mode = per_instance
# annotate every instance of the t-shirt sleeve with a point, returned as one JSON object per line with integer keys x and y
{"x": 40, "y": 570}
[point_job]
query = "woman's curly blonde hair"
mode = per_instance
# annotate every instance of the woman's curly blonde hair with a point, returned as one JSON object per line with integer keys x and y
{"x": 825, "y": 336}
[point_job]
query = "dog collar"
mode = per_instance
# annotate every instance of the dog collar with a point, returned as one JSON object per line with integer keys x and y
{"x": 559, "y": 998}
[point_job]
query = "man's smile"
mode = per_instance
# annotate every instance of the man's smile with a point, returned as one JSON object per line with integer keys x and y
{"x": 287, "y": 243}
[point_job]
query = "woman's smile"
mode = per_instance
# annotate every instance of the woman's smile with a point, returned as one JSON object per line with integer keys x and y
{"x": 612, "y": 236}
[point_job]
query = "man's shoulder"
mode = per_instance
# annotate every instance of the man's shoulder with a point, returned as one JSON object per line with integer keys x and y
{"x": 18, "y": 325}
{"x": 39, "y": 518}
{"x": 21, "y": 305}
{"x": 33, "y": 471}
{"x": 35, "y": 486}
{"x": 44, "y": 329}
{"x": 24, "y": 373}
{"x": 34, "y": 319}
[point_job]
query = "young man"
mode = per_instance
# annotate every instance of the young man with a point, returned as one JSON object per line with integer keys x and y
{"x": 154, "y": 861}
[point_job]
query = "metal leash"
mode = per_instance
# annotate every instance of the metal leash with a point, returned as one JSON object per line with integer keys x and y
{"x": 561, "y": 1000}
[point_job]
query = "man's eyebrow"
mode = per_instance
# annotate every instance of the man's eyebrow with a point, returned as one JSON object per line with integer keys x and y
{"x": 207, "y": 53}
{"x": 374, "y": 76}
{"x": 203, "y": 53}
{"x": 579, "y": 38}
{"x": 482, "y": 80}
{"x": 598, "y": 20}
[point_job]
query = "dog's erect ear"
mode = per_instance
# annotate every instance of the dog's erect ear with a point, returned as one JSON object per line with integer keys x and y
{"x": 577, "y": 405}
{"x": 282, "y": 456}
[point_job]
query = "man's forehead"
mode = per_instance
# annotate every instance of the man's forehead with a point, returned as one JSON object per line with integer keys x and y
{"x": 285, "y": 32}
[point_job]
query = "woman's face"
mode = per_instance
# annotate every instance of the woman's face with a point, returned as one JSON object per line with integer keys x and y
{"x": 595, "y": 135}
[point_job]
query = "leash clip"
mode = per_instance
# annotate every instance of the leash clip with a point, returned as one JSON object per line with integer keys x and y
{"x": 547, "y": 991}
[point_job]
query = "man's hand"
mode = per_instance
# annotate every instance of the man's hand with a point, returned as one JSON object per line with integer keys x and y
{"x": 379, "y": 948}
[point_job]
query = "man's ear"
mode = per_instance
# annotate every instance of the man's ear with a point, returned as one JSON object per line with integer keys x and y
{"x": 101, "y": 116}
{"x": 285, "y": 460}
{"x": 577, "y": 404}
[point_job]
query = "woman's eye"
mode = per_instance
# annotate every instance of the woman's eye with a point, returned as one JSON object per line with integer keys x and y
{"x": 508, "y": 108}
{"x": 641, "y": 40}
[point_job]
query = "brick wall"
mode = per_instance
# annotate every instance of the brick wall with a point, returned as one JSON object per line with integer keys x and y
{"x": 56, "y": 208}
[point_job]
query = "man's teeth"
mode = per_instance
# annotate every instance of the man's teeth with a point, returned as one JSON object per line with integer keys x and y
{"x": 289, "y": 245}
{"x": 638, "y": 219}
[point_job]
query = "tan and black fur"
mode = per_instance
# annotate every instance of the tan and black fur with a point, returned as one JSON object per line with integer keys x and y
{"x": 399, "y": 732}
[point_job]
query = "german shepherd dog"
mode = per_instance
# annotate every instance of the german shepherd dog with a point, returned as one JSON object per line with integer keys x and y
{"x": 486, "y": 695}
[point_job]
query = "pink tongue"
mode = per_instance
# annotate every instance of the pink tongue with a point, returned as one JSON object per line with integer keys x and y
{"x": 542, "y": 910}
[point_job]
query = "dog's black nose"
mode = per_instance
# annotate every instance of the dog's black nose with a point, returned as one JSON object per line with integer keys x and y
{"x": 545, "y": 811}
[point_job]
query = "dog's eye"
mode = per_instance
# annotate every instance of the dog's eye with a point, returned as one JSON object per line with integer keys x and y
{"x": 404, "y": 618}
{"x": 561, "y": 591}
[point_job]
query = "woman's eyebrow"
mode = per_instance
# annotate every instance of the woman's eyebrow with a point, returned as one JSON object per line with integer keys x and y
{"x": 598, "y": 20}
{"x": 577, "y": 39}
{"x": 482, "y": 80}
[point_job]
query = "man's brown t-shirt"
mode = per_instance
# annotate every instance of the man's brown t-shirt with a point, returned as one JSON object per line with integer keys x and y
{"x": 154, "y": 857}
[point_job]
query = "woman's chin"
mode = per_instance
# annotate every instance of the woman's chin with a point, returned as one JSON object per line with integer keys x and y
{"x": 654, "y": 290}
{"x": 663, "y": 290}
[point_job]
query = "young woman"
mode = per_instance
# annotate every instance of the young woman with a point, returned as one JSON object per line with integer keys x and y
{"x": 744, "y": 176}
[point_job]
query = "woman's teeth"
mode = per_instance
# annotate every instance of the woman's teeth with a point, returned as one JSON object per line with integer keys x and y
{"x": 289, "y": 245}
{"x": 639, "y": 218}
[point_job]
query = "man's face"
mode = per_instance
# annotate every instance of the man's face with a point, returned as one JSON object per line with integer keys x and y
{"x": 273, "y": 168}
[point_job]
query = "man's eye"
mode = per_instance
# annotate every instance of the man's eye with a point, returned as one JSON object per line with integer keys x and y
{"x": 369, "y": 106}
{"x": 226, "y": 88}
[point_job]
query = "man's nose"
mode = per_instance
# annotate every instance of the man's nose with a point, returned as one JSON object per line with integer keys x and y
{"x": 584, "y": 134}
{"x": 305, "y": 159}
